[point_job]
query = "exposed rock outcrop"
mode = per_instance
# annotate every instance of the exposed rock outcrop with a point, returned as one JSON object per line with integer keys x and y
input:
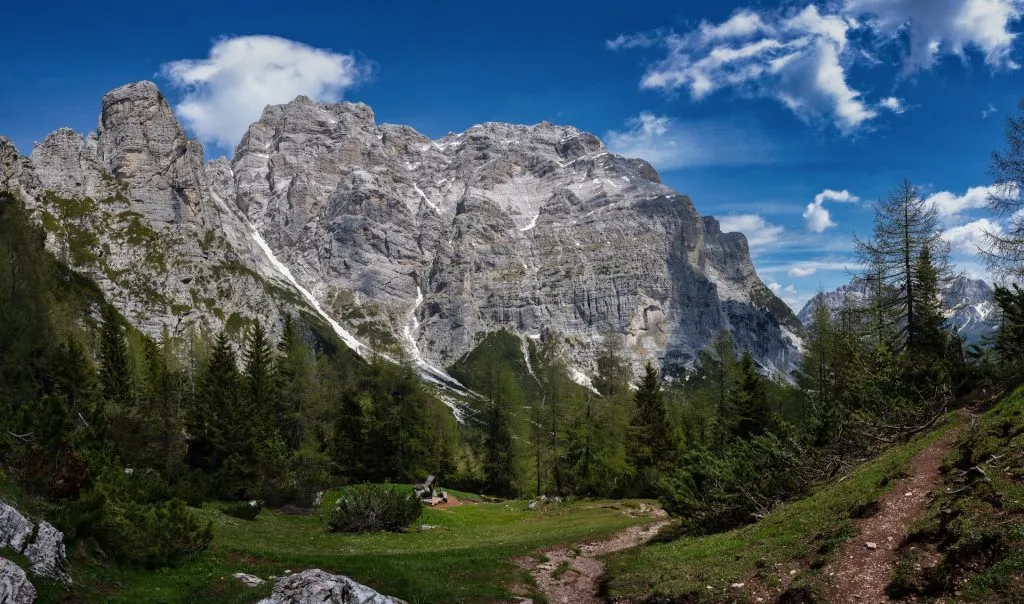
{"x": 43, "y": 545}
{"x": 318, "y": 587}
{"x": 15, "y": 587}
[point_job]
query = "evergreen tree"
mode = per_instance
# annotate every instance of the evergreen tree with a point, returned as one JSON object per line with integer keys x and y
{"x": 748, "y": 412}
{"x": 293, "y": 373}
{"x": 115, "y": 370}
{"x": 259, "y": 395}
{"x": 499, "y": 447}
{"x": 650, "y": 447}
{"x": 1005, "y": 252}
{"x": 214, "y": 437}
{"x": 930, "y": 341}
{"x": 816, "y": 376}
{"x": 349, "y": 444}
{"x": 613, "y": 370}
{"x": 904, "y": 226}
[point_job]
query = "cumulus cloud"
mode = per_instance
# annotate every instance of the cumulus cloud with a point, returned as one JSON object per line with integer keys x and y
{"x": 669, "y": 144}
{"x": 893, "y": 104}
{"x": 228, "y": 90}
{"x": 817, "y": 217}
{"x": 970, "y": 237}
{"x": 802, "y": 58}
{"x": 758, "y": 231}
{"x": 949, "y": 205}
{"x": 801, "y": 271}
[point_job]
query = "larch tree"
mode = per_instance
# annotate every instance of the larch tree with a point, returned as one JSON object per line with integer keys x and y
{"x": 904, "y": 226}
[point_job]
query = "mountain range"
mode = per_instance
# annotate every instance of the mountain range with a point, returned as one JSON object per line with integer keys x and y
{"x": 401, "y": 245}
{"x": 968, "y": 303}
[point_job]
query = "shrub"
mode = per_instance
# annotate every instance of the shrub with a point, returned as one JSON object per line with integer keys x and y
{"x": 374, "y": 507}
{"x": 153, "y": 535}
{"x": 245, "y": 510}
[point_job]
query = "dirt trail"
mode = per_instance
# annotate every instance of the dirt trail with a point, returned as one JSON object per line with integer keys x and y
{"x": 573, "y": 574}
{"x": 861, "y": 572}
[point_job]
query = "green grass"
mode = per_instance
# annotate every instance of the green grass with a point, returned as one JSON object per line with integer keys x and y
{"x": 465, "y": 557}
{"x": 799, "y": 534}
{"x": 975, "y": 525}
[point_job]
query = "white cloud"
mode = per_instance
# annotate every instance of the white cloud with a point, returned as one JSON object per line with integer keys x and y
{"x": 801, "y": 271}
{"x": 803, "y": 59}
{"x": 843, "y": 196}
{"x": 668, "y": 144}
{"x": 987, "y": 111}
{"x": 949, "y": 205}
{"x": 758, "y": 231}
{"x": 228, "y": 90}
{"x": 788, "y": 294}
{"x": 893, "y": 104}
{"x": 934, "y": 27}
{"x": 817, "y": 217}
{"x": 970, "y": 237}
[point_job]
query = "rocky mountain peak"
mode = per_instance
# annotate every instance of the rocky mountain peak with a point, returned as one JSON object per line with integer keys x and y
{"x": 416, "y": 246}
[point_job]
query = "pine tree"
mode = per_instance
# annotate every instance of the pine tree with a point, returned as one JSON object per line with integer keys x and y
{"x": 115, "y": 370}
{"x": 260, "y": 395}
{"x": 293, "y": 373}
{"x": 613, "y": 370}
{"x": 214, "y": 437}
{"x": 349, "y": 443}
{"x": 930, "y": 340}
{"x": 499, "y": 447}
{"x": 817, "y": 374}
{"x": 748, "y": 413}
{"x": 650, "y": 447}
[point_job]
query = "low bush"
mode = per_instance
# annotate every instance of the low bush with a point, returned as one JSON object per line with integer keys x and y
{"x": 153, "y": 535}
{"x": 374, "y": 507}
{"x": 245, "y": 510}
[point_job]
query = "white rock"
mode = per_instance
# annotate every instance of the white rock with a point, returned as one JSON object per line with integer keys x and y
{"x": 318, "y": 587}
{"x": 15, "y": 529}
{"x": 248, "y": 580}
{"x": 14, "y": 585}
{"x": 870, "y": 545}
{"x": 47, "y": 555}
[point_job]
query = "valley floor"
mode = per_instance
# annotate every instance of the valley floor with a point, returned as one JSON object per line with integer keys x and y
{"x": 459, "y": 554}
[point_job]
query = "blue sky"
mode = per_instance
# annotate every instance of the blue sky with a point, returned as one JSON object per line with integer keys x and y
{"x": 786, "y": 120}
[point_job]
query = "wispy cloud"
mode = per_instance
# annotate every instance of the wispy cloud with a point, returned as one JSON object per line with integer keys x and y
{"x": 758, "y": 231}
{"x": 802, "y": 58}
{"x": 228, "y": 90}
{"x": 987, "y": 111}
{"x": 669, "y": 144}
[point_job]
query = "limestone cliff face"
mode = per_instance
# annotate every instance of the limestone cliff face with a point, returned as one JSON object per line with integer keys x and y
{"x": 422, "y": 245}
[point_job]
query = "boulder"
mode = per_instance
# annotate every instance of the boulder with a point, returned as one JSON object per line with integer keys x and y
{"x": 15, "y": 529}
{"x": 47, "y": 555}
{"x": 42, "y": 545}
{"x": 14, "y": 585}
{"x": 319, "y": 587}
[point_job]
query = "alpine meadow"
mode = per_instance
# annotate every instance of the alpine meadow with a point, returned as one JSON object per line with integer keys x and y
{"x": 259, "y": 344}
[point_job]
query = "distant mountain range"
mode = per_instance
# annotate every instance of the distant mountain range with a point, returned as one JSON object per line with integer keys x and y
{"x": 969, "y": 305}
